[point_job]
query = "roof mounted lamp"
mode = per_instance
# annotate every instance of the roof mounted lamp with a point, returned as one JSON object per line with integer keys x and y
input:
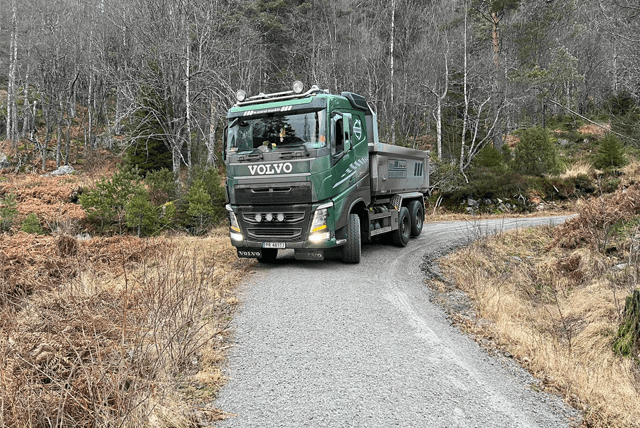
{"x": 241, "y": 95}
{"x": 298, "y": 87}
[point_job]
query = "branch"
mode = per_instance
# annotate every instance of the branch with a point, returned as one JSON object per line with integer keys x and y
{"x": 594, "y": 123}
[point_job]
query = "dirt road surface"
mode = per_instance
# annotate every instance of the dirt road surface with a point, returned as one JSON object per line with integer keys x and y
{"x": 325, "y": 344}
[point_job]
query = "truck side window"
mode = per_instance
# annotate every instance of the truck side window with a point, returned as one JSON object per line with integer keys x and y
{"x": 337, "y": 135}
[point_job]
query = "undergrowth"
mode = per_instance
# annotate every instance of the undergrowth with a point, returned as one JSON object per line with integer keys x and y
{"x": 559, "y": 300}
{"x": 112, "y": 331}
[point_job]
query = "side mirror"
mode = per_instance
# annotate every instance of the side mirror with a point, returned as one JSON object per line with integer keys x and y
{"x": 224, "y": 144}
{"x": 346, "y": 129}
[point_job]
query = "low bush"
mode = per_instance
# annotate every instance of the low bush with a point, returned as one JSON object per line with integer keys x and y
{"x": 535, "y": 154}
{"x": 8, "y": 211}
{"x": 31, "y": 224}
{"x": 610, "y": 153}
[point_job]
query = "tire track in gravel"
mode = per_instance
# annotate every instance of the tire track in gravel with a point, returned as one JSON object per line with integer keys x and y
{"x": 333, "y": 345}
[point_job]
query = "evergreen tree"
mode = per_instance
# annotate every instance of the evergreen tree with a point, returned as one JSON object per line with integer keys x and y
{"x": 535, "y": 154}
{"x": 610, "y": 153}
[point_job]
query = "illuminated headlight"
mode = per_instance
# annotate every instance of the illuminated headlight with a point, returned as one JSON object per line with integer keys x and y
{"x": 269, "y": 217}
{"x": 280, "y": 217}
{"x": 233, "y": 221}
{"x": 258, "y": 218}
{"x": 318, "y": 231}
{"x": 241, "y": 95}
{"x": 319, "y": 237}
{"x": 236, "y": 236}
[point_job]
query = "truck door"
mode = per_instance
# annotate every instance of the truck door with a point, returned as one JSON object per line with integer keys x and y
{"x": 342, "y": 154}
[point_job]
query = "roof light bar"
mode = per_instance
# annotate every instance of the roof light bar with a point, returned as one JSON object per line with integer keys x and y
{"x": 242, "y": 98}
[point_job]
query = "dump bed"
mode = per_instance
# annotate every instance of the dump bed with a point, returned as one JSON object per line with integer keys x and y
{"x": 396, "y": 169}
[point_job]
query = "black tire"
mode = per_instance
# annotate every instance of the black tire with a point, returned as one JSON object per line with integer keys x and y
{"x": 400, "y": 236}
{"x": 352, "y": 250}
{"x": 416, "y": 213}
{"x": 269, "y": 255}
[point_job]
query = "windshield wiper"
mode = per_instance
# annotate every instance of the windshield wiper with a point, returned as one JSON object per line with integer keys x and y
{"x": 293, "y": 153}
{"x": 251, "y": 156}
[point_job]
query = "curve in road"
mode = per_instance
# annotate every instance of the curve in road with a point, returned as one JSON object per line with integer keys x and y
{"x": 324, "y": 344}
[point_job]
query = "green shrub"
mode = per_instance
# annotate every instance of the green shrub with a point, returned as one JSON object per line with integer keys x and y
{"x": 200, "y": 211}
{"x": 610, "y": 153}
{"x": 149, "y": 154}
{"x": 628, "y": 335}
{"x": 535, "y": 154}
{"x": 585, "y": 184}
{"x": 610, "y": 185}
{"x": 31, "y": 224}
{"x": 490, "y": 157}
{"x": 620, "y": 104}
{"x": 140, "y": 214}
{"x": 8, "y": 212}
{"x": 212, "y": 182}
{"x": 162, "y": 186}
{"x": 105, "y": 204}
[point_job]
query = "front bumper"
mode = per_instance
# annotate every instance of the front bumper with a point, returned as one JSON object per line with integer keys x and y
{"x": 290, "y": 233}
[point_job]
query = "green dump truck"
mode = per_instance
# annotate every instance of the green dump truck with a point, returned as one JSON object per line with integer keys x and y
{"x": 305, "y": 171}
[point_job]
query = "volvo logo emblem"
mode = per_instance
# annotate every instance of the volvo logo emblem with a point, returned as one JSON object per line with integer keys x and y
{"x": 357, "y": 129}
{"x": 270, "y": 169}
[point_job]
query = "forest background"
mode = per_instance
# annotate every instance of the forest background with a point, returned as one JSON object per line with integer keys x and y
{"x": 521, "y": 102}
{"x": 452, "y": 76}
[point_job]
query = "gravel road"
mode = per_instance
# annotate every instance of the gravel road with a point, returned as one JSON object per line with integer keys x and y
{"x": 324, "y": 344}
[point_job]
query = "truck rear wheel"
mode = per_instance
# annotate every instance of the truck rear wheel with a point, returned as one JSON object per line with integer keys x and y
{"x": 400, "y": 236}
{"x": 416, "y": 213}
{"x": 353, "y": 248}
{"x": 269, "y": 255}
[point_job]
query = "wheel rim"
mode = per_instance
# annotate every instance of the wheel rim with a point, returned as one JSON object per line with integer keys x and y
{"x": 405, "y": 227}
{"x": 418, "y": 220}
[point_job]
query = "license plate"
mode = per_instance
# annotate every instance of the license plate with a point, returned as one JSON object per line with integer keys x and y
{"x": 273, "y": 245}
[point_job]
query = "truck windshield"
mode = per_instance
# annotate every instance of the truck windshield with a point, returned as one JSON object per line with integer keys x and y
{"x": 275, "y": 131}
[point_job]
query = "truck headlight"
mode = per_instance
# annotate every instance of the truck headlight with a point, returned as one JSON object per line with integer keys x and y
{"x": 233, "y": 223}
{"x": 319, "y": 231}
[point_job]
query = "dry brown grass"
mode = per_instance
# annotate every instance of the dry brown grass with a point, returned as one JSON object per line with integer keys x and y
{"x": 442, "y": 215}
{"x": 595, "y": 130}
{"x": 113, "y": 331}
{"x": 582, "y": 167}
{"x": 555, "y": 301}
{"x": 597, "y": 219}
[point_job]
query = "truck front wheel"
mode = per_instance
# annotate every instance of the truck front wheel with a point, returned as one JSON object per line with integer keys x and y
{"x": 353, "y": 248}
{"x": 416, "y": 213}
{"x": 400, "y": 236}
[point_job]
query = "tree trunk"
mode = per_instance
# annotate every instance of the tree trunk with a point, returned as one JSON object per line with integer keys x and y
{"x": 496, "y": 92}
{"x": 26, "y": 112}
{"x": 439, "y": 127}
{"x": 68, "y": 139}
{"x": 12, "y": 116}
{"x": 175, "y": 157}
{"x": 59, "y": 116}
{"x": 89, "y": 143}
{"x": 465, "y": 94}
{"x": 187, "y": 96}
{"x": 47, "y": 137}
{"x": 393, "y": 113}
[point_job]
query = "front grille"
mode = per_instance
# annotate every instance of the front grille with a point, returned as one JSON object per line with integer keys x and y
{"x": 292, "y": 217}
{"x": 269, "y": 232}
{"x": 267, "y": 194}
{"x": 294, "y": 227}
